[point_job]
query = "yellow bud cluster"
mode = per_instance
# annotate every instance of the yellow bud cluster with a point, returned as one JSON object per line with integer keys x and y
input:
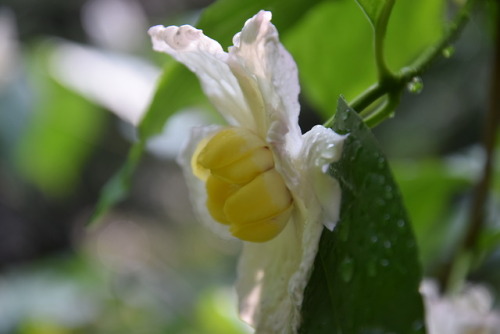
{"x": 244, "y": 189}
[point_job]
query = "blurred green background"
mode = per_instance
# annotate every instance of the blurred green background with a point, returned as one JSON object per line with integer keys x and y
{"x": 75, "y": 74}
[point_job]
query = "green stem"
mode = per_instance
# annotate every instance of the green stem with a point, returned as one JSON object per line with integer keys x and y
{"x": 387, "y": 109}
{"x": 390, "y": 83}
{"x": 380, "y": 29}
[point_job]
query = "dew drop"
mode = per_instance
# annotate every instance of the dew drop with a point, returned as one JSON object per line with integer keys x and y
{"x": 347, "y": 269}
{"x": 374, "y": 239}
{"x": 449, "y": 51}
{"x": 345, "y": 115}
{"x": 384, "y": 262}
{"x": 380, "y": 162}
{"x": 387, "y": 244}
{"x": 401, "y": 223}
{"x": 415, "y": 86}
{"x": 380, "y": 202}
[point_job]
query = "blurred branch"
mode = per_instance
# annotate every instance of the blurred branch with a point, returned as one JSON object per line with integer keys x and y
{"x": 491, "y": 127}
{"x": 455, "y": 271}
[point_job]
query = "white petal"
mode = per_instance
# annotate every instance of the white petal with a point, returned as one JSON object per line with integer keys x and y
{"x": 267, "y": 75}
{"x": 196, "y": 187}
{"x": 272, "y": 277}
{"x": 321, "y": 147}
{"x": 468, "y": 311}
{"x": 207, "y": 60}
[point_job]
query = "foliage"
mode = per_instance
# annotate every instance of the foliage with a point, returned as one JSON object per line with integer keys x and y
{"x": 401, "y": 219}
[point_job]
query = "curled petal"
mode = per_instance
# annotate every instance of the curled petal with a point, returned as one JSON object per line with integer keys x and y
{"x": 267, "y": 75}
{"x": 321, "y": 147}
{"x": 205, "y": 57}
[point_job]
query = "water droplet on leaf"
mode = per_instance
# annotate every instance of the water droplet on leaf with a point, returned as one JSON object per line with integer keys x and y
{"x": 449, "y": 51}
{"x": 416, "y": 85}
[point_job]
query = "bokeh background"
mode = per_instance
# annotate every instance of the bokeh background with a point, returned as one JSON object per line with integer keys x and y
{"x": 75, "y": 76}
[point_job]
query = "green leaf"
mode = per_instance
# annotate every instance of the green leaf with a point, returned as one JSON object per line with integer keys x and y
{"x": 62, "y": 132}
{"x": 177, "y": 88}
{"x": 413, "y": 27}
{"x": 430, "y": 211}
{"x": 372, "y": 9}
{"x": 332, "y": 46}
{"x": 225, "y": 18}
{"x": 368, "y": 266}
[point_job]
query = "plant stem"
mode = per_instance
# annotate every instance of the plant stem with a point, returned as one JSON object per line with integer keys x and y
{"x": 380, "y": 30}
{"x": 491, "y": 126}
{"x": 385, "y": 111}
{"x": 390, "y": 83}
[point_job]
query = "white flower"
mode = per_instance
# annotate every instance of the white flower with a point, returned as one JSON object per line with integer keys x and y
{"x": 259, "y": 178}
{"x": 469, "y": 312}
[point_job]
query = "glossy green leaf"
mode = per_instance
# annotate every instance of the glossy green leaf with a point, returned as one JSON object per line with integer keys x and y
{"x": 333, "y": 46}
{"x": 366, "y": 274}
{"x": 372, "y": 9}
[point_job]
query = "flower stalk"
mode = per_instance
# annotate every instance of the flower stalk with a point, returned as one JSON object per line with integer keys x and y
{"x": 393, "y": 84}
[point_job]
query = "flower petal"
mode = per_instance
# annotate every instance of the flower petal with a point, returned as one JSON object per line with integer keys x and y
{"x": 468, "y": 311}
{"x": 196, "y": 186}
{"x": 205, "y": 57}
{"x": 267, "y": 75}
{"x": 272, "y": 276}
{"x": 321, "y": 147}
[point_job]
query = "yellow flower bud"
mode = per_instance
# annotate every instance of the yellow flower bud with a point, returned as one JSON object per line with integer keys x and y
{"x": 244, "y": 190}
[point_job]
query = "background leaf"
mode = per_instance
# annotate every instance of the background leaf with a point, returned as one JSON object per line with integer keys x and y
{"x": 177, "y": 88}
{"x": 430, "y": 191}
{"x": 368, "y": 266}
{"x": 225, "y": 18}
{"x": 60, "y": 136}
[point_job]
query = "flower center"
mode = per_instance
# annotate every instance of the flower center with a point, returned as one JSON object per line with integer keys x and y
{"x": 244, "y": 189}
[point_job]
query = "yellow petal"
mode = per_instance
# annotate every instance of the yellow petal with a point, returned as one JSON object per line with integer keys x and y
{"x": 218, "y": 192}
{"x": 262, "y": 230}
{"x": 264, "y": 197}
{"x": 248, "y": 167}
{"x": 228, "y": 146}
